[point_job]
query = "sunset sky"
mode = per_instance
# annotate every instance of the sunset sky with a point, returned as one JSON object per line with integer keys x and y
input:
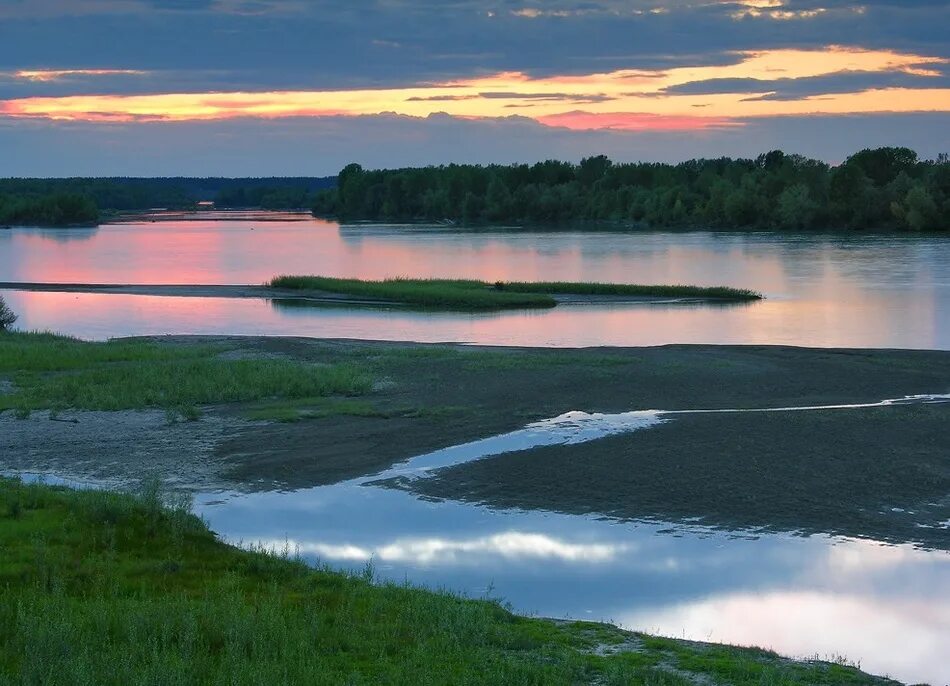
{"x": 293, "y": 87}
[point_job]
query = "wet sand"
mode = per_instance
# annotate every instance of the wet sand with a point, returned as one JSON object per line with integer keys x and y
{"x": 882, "y": 473}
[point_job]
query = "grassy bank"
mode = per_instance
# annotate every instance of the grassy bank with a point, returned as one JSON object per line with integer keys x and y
{"x": 480, "y": 295}
{"x": 50, "y": 371}
{"x": 103, "y": 588}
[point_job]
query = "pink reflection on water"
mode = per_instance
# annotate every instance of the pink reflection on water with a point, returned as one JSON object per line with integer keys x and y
{"x": 871, "y": 291}
{"x": 852, "y": 601}
{"x": 99, "y": 316}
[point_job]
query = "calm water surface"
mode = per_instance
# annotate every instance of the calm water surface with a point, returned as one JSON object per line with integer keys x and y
{"x": 887, "y": 607}
{"x": 857, "y": 291}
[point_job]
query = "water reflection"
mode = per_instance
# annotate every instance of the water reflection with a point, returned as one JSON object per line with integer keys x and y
{"x": 512, "y": 546}
{"x": 851, "y": 291}
{"x": 879, "y": 321}
{"x": 799, "y": 596}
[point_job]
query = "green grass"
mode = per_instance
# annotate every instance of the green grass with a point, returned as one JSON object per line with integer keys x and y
{"x": 480, "y": 295}
{"x": 633, "y": 290}
{"x": 57, "y": 372}
{"x": 105, "y": 588}
{"x": 732, "y": 665}
{"x": 429, "y": 293}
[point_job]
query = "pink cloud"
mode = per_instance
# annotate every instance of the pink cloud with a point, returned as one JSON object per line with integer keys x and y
{"x": 634, "y": 121}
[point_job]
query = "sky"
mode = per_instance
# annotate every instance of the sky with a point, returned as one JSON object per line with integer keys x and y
{"x": 303, "y": 87}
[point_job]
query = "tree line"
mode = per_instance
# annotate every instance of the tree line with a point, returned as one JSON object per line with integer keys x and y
{"x": 883, "y": 188}
{"x": 54, "y": 209}
{"x": 62, "y": 202}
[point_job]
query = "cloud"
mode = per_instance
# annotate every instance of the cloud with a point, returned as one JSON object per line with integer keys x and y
{"x": 316, "y": 147}
{"x": 790, "y": 89}
{"x": 239, "y": 45}
{"x": 696, "y": 67}
{"x": 617, "y": 99}
{"x": 48, "y": 75}
{"x": 633, "y": 121}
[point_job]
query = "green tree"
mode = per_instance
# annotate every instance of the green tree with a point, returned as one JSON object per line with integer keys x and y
{"x": 795, "y": 208}
{"x": 921, "y": 210}
{"x": 592, "y": 169}
{"x": 882, "y": 165}
{"x": 7, "y": 317}
{"x": 497, "y": 199}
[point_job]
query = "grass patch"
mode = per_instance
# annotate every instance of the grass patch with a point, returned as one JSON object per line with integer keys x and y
{"x": 105, "y": 588}
{"x": 429, "y": 293}
{"x": 633, "y": 290}
{"x": 480, "y": 295}
{"x": 58, "y": 372}
{"x": 752, "y": 666}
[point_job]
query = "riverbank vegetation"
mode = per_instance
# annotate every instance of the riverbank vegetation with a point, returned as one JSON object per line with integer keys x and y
{"x": 50, "y": 371}
{"x": 48, "y": 209}
{"x": 459, "y": 294}
{"x": 7, "y": 316}
{"x": 885, "y": 188}
{"x": 105, "y": 588}
{"x": 80, "y": 201}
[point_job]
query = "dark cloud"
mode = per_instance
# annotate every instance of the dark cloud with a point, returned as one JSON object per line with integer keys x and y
{"x": 440, "y": 98}
{"x": 260, "y": 44}
{"x": 791, "y": 89}
{"x": 563, "y": 97}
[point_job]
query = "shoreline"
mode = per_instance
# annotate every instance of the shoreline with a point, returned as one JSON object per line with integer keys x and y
{"x": 250, "y": 291}
{"x": 860, "y": 464}
{"x": 177, "y": 540}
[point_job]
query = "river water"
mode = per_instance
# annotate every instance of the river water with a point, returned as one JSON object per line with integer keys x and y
{"x": 822, "y": 290}
{"x": 886, "y": 607}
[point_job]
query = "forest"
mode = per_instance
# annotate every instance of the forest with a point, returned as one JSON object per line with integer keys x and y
{"x": 52, "y": 209}
{"x": 81, "y": 201}
{"x": 883, "y": 188}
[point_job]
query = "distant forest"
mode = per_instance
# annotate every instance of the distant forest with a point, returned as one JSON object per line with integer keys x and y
{"x": 81, "y": 201}
{"x": 884, "y": 188}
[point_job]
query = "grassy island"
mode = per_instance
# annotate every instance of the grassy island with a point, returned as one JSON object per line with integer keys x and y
{"x": 455, "y": 294}
{"x": 107, "y": 588}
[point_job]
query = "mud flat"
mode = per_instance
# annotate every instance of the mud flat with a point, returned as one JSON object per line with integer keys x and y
{"x": 881, "y": 473}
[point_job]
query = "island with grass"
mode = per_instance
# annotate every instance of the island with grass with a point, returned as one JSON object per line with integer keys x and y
{"x": 459, "y": 295}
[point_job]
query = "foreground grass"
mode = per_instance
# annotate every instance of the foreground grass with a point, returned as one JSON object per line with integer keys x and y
{"x": 105, "y": 588}
{"x": 50, "y": 371}
{"x": 480, "y": 295}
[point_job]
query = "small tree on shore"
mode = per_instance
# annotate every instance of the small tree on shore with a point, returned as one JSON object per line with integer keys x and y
{"x": 7, "y": 317}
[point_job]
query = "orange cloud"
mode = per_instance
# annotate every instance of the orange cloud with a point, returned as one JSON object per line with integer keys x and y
{"x": 623, "y": 99}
